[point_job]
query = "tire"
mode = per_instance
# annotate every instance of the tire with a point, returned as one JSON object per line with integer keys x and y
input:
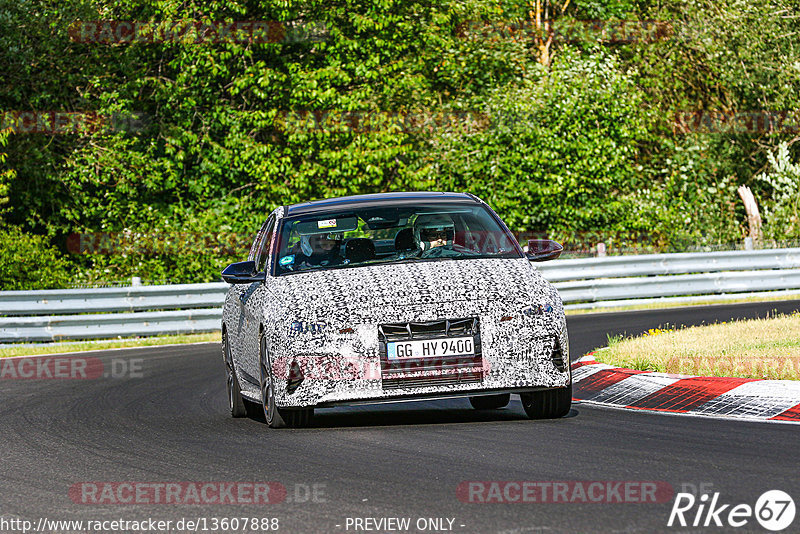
{"x": 547, "y": 404}
{"x": 235, "y": 401}
{"x": 277, "y": 417}
{"x": 490, "y": 402}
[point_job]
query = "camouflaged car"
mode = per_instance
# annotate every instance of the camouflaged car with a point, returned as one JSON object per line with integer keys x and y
{"x": 392, "y": 297}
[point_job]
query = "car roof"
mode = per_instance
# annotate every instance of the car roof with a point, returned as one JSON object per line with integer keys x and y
{"x": 375, "y": 200}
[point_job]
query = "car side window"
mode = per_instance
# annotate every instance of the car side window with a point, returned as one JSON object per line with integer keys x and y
{"x": 262, "y": 254}
{"x": 256, "y": 246}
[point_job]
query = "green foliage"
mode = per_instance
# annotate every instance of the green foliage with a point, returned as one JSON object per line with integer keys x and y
{"x": 559, "y": 152}
{"x": 29, "y": 262}
{"x": 722, "y": 55}
{"x": 685, "y": 201}
{"x": 783, "y": 217}
{"x": 234, "y": 129}
{"x": 184, "y": 249}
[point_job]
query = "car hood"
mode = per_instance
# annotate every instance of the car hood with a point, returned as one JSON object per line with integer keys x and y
{"x": 363, "y": 290}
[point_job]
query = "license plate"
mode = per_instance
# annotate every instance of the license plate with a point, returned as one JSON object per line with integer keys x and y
{"x": 430, "y": 348}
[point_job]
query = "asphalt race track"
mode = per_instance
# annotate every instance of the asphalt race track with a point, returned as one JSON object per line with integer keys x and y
{"x": 170, "y": 423}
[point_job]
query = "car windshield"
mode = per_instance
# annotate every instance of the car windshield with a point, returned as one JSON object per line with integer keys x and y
{"x": 391, "y": 234}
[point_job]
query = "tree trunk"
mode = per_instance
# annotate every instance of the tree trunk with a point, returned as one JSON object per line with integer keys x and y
{"x": 753, "y": 216}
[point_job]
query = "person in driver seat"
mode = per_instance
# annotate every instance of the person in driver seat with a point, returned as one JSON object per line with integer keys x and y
{"x": 320, "y": 249}
{"x": 434, "y": 230}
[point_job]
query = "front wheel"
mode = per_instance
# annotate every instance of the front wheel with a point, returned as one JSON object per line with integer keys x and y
{"x": 547, "y": 404}
{"x": 278, "y": 417}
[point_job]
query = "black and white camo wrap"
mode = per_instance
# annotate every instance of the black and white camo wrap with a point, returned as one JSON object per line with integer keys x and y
{"x": 338, "y": 351}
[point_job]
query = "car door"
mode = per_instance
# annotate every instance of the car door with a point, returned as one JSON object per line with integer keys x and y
{"x": 252, "y": 300}
{"x": 237, "y": 298}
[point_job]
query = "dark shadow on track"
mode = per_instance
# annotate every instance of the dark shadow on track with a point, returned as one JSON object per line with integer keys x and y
{"x": 433, "y": 413}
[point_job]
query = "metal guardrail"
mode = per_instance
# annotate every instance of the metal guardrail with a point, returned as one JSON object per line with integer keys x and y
{"x": 583, "y": 283}
{"x": 112, "y": 299}
{"x": 109, "y": 325}
{"x": 668, "y": 264}
{"x": 606, "y": 289}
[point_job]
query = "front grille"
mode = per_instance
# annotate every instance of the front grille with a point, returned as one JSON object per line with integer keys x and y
{"x": 429, "y": 329}
{"x": 426, "y": 372}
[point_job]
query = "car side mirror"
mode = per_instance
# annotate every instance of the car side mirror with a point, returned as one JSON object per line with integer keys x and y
{"x": 543, "y": 250}
{"x": 243, "y": 272}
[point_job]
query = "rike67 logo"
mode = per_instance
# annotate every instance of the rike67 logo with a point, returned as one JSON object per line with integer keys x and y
{"x": 774, "y": 510}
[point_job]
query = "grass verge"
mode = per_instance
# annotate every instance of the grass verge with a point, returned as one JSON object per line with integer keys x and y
{"x": 664, "y": 305}
{"x": 81, "y": 346}
{"x": 758, "y": 348}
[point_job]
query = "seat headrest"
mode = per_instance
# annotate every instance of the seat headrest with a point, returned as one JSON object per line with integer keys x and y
{"x": 359, "y": 249}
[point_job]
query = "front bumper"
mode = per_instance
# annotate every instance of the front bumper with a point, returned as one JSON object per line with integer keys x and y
{"x": 516, "y": 355}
